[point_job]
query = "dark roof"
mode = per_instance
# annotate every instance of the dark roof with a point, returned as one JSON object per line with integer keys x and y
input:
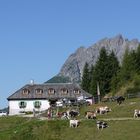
{"x": 18, "y": 95}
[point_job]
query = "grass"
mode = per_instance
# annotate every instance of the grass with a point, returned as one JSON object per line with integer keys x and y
{"x": 17, "y": 128}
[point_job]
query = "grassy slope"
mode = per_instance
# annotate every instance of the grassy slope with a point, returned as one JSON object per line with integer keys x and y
{"x": 15, "y": 128}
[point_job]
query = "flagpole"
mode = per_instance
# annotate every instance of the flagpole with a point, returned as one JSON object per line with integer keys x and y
{"x": 98, "y": 92}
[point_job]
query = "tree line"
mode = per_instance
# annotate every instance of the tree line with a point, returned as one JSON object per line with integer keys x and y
{"x": 111, "y": 74}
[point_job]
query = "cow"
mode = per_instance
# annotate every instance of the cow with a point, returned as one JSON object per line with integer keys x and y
{"x": 101, "y": 125}
{"x": 120, "y": 99}
{"x": 136, "y": 113}
{"x": 64, "y": 115}
{"x": 103, "y": 109}
{"x": 74, "y": 123}
{"x": 90, "y": 115}
{"x": 72, "y": 113}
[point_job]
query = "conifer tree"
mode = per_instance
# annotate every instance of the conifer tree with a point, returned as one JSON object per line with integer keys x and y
{"x": 113, "y": 68}
{"x": 101, "y": 71}
{"x": 93, "y": 83}
{"x": 127, "y": 70}
{"x": 113, "y": 64}
{"x": 137, "y": 61}
{"x": 85, "y": 84}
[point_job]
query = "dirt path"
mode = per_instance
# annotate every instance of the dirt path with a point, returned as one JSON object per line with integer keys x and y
{"x": 121, "y": 119}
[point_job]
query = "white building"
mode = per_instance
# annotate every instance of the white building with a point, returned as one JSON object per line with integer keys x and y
{"x": 39, "y": 97}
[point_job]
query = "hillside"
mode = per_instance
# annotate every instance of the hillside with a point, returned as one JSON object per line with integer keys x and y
{"x": 121, "y": 128}
{"x": 59, "y": 79}
{"x": 73, "y": 67}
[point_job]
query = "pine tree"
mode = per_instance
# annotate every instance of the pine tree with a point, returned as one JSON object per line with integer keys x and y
{"x": 101, "y": 71}
{"x": 115, "y": 83}
{"x": 113, "y": 68}
{"x": 137, "y": 60}
{"x": 93, "y": 84}
{"x": 85, "y": 84}
{"x": 128, "y": 69}
{"x": 113, "y": 64}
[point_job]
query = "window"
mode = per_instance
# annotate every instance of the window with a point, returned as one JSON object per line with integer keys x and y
{"x": 76, "y": 91}
{"x": 51, "y": 91}
{"x": 39, "y": 91}
{"x": 22, "y": 104}
{"x": 25, "y": 91}
{"x": 37, "y": 104}
{"x": 64, "y": 91}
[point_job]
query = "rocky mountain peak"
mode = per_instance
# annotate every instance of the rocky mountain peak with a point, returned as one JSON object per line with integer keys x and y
{"x": 73, "y": 67}
{"x": 119, "y": 40}
{"x": 118, "y": 37}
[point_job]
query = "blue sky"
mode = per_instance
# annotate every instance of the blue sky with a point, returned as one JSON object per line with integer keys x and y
{"x": 37, "y": 36}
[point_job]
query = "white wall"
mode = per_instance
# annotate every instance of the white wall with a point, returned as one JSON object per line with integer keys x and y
{"x": 15, "y": 110}
{"x": 90, "y": 101}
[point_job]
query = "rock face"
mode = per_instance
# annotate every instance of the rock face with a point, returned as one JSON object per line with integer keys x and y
{"x": 73, "y": 67}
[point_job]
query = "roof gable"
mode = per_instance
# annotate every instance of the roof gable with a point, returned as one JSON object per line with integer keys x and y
{"x": 70, "y": 87}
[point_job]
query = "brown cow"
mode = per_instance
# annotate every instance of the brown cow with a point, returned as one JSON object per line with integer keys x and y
{"x": 102, "y": 109}
{"x": 90, "y": 115}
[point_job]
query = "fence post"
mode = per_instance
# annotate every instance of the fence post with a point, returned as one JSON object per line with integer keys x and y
{"x": 127, "y": 96}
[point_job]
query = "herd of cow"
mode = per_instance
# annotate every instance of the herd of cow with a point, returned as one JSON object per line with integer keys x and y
{"x": 71, "y": 115}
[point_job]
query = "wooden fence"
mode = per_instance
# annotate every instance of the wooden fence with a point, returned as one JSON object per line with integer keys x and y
{"x": 133, "y": 95}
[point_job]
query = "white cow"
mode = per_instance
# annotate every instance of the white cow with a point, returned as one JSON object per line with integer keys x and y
{"x": 136, "y": 113}
{"x": 74, "y": 123}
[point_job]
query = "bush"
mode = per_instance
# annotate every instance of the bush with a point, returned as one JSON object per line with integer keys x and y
{"x": 133, "y": 90}
{"x": 136, "y": 81}
{"x": 28, "y": 112}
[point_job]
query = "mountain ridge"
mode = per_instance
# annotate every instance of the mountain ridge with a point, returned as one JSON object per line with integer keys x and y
{"x": 73, "y": 66}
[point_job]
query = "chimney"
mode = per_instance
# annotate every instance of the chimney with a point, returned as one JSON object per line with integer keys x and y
{"x": 31, "y": 82}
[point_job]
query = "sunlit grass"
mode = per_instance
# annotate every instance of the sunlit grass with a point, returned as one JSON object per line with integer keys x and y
{"x": 18, "y": 128}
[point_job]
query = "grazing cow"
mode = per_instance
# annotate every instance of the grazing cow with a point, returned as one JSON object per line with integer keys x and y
{"x": 136, "y": 113}
{"x": 120, "y": 99}
{"x": 64, "y": 115}
{"x": 90, "y": 115}
{"x": 101, "y": 125}
{"x": 74, "y": 123}
{"x": 103, "y": 109}
{"x": 73, "y": 113}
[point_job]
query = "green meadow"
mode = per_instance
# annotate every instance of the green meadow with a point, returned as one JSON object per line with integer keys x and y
{"x": 127, "y": 128}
